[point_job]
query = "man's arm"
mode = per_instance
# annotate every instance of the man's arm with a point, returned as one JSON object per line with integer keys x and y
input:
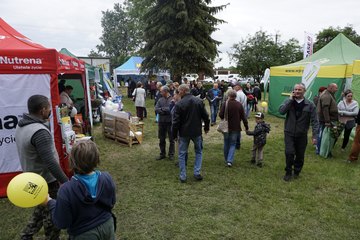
{"x": 285, "y": 106}
{"x": 205, "y": 118}
{"x": 43, "y": 143}
{"x": 243, "y": 118}
{"x": 158, "y": 108}
{"x": 314, "y": 123}
{"x": 176, "y": 121}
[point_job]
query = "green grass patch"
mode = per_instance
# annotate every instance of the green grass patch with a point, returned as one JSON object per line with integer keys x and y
{"x": 242, "y": 202}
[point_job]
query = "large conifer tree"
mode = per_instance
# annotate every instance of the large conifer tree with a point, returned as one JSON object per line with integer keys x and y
{"x": 178, "y": 36}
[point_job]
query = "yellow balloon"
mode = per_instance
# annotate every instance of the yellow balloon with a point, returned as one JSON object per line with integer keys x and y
{"x": 27, "y": 190}
{"x": 264, "y": 104}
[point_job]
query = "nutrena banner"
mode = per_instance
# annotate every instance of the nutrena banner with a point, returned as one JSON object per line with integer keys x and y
{"x": 35, "y": 61}
{"x": 15, "y": 91}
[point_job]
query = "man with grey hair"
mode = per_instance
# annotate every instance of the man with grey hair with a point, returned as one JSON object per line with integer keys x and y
{"x": 164, "y": 123}
{"x": 188, "y": 116}
{"x": 300, "y": 112}
{"x": 327, "y": 110}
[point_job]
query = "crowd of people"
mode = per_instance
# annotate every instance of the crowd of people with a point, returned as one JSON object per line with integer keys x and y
{"x": 182, "y": 117}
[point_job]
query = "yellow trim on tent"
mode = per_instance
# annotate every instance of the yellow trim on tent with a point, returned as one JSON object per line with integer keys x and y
{"x": 356, "y": 68}
{"x": 337, "y": 71}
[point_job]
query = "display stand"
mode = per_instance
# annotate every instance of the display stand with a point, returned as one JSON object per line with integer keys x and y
{"x": 117, "y": 126}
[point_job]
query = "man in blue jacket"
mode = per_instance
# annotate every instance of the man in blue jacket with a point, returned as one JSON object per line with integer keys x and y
{"x": 214, "y": 97}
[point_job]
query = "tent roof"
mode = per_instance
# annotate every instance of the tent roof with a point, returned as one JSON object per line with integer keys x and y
{"x": 19, "y": 54}
{"x": 340, "y": 51}
{"x": 131, "y": 66}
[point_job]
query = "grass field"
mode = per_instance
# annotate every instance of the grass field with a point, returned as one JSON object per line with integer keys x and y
{"x": 242, "y": 202}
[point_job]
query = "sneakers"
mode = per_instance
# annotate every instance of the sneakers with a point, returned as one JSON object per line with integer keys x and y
{"x": 171, "y": 157}
{"x": 198, "y": 177}
{"x": 260, "y": 165}
{"x": 229, "y": 164}
{"x": 296, "y": 175}
{"x": 182, "y": 180}
{"x": 287, "y": 177}
{"x": 160, "y": 157}
{"x": 252, "y": 161}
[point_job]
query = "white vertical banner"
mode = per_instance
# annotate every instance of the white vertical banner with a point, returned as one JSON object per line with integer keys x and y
{"x": 15, "y": 90}
{"x": 308, "y": 44}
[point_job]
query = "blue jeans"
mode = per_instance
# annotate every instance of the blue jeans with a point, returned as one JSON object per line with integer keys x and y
{"x": 214, "y": 109}
{"x": 318, "y": 144}
{"x": 238, "y": 141}
{"x": 230, "y": 140}
{"x": 183, "y": 149}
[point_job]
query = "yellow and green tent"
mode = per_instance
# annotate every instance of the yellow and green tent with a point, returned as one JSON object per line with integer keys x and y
{"x": 355, "y": 84}
{"x": 336, "y": 59}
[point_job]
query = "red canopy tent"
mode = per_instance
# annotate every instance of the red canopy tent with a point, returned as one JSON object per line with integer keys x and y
{"x": 28, "y": 68}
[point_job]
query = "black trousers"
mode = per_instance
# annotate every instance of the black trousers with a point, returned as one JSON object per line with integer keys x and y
{"x": 294, "y": 152}
{"x": 163, "y": 130}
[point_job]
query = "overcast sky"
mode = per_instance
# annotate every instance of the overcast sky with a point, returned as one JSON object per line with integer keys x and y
{"x": 75, "y": 24}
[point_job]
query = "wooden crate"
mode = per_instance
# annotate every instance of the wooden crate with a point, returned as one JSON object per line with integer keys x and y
{"x": 121, "y": 129}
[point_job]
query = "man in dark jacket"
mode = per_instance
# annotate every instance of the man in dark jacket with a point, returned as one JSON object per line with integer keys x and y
{"x": 188, "y": 116}
{"x": 199, "y": 91}
{"x": 37, "y": 154}
{"x": 164, "y": 123}
{"x": 257, "y": 96}
{"x": 300, "y": 112}
{"x": 327, "y": 110}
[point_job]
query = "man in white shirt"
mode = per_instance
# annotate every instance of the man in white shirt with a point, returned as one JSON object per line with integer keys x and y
{"x": 241, "y": 98}
{"x": 240, "y": 95}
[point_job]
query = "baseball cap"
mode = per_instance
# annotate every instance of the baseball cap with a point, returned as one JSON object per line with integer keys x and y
{"x": 259, "y": 115}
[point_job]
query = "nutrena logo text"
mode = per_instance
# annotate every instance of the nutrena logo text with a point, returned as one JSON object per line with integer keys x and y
{"x": 16, "y": 60}
{"x": 21, "y": 63}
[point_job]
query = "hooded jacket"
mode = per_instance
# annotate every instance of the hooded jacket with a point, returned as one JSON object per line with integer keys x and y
{"x": 77, "y": 211}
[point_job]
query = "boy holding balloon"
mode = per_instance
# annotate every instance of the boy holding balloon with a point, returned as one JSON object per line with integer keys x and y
{"x": 84, "y": 203}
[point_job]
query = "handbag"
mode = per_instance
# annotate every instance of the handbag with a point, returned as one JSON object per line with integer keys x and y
{"x": 350, "y": 124}
{"x": 223, "y": 126}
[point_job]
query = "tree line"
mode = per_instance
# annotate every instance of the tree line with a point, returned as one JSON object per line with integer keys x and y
{"x": 176, "y": 35}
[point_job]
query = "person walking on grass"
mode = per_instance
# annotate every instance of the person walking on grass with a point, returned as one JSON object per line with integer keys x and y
{"x": 348, "y": 110}
{"x": 37, "y": 154}
{"x": 189, "y": 114}
{"x": 327, "y": 111}
{"x": 164, "y": 123}
{"x": 355, "y": 148}
{"x": 259, "y": 133}
{"x": 234, "y": 112}
{"x": 300, "y": 112}
{"x": 214, "y": 97}
{"x": 84, "y": 203}
{"x": 139, "y": 96}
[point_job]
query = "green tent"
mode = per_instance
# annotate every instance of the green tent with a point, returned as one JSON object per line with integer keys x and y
{"x": 355, "y": 84}
{"x": 336, "y": 59}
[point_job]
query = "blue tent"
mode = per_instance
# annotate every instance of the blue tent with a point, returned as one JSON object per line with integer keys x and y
{"x": 130, "y": 67}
